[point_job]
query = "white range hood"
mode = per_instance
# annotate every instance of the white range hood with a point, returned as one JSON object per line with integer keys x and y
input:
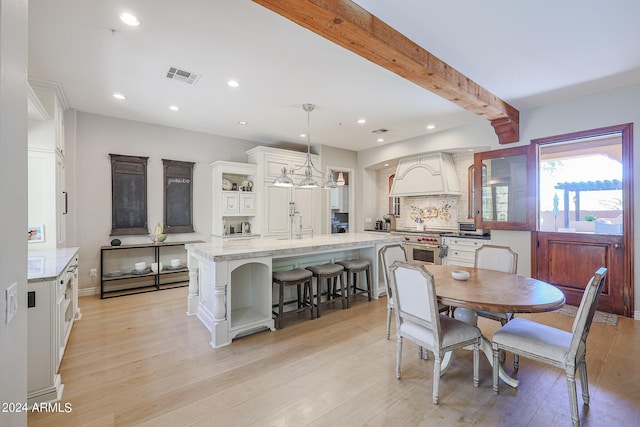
{"x": 426, "y": 175}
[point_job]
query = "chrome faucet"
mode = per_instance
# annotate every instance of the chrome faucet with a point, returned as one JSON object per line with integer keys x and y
{"x": 301, "y": 231}
{"x": 292, "y": 214}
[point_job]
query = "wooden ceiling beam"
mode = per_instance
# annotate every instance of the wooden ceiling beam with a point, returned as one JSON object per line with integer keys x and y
{"x": 352, "y": 27}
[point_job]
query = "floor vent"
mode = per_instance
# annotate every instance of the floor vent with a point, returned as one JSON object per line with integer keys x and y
{"x": 175, "y": 73}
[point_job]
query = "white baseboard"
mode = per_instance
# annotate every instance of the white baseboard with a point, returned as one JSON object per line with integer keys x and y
{"x": 636, "y": 314}
{"x": 85, "y": 292}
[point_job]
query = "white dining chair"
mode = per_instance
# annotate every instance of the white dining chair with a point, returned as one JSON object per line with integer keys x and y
{"x": 566, "y": 350}
{"x": 388, "y": 255}
{"x": 497, "y": 258}
{"x": 418, "y": 319}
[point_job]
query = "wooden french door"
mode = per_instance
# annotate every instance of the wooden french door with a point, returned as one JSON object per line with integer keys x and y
{"x": 568, "y": 260}
{"x": 566, "y": 255}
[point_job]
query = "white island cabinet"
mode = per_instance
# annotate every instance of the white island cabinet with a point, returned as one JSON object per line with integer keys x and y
{"x": 52, "y": 302}
{"x": 234, "y": 291}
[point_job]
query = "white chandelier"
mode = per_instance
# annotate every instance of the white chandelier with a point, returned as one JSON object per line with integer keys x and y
{"x": 309, "y": 181}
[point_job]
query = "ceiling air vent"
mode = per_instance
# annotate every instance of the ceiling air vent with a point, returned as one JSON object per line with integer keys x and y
{"x": 381, "y": 130}
{"x": 182, "y": 76}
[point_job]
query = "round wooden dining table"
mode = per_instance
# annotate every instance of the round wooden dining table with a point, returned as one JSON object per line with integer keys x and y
{"x": 489, "y": 290}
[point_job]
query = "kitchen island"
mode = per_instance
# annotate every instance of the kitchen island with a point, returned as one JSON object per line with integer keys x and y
{"x": 230, "y": 286}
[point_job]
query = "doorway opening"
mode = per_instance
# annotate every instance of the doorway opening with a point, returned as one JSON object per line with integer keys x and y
{"x": 340, "y": 208}
{"x": 585, "y": 187}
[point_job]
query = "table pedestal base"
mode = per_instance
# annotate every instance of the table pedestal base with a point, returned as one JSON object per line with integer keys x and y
{"x": 485, "y": 346}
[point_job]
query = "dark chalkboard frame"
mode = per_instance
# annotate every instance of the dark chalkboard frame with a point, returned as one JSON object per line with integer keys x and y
{"x": 178, "y": 196}
{"x": 128, "y": 195}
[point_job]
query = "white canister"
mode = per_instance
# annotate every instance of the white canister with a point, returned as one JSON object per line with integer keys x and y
{"x": 175, "y": 263}
{"x": 154, "y": 267}
{"x": 140, "y": 266}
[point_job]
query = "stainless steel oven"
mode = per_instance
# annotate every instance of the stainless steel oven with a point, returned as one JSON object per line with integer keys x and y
{"x": 422, "y": 247}
{"x": 423, "y": 254}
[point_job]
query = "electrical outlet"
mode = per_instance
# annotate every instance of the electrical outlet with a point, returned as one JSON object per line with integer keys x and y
{"x": 93, "y": 272}
{"x": 12, "y": 301}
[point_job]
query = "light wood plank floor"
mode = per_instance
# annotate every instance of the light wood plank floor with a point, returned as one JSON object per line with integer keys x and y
{"x": 139, "y": 360}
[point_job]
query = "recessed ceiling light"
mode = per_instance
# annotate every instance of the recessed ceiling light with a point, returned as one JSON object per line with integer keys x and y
{"x": 233, "y": 83}
{"x": 362, "y": 121}
{"x": 119, "y": 96}
{"x": 303, "y": 135}
{"x": 386, "y": 164}
{"x": 431, "y": 127}
{"x": 380, "y": 139}
{"x": 129, "y": 19}
{"x": 174, "y": 108}
{"x": 243, "y": 122}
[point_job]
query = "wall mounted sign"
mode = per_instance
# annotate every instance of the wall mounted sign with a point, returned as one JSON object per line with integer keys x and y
{"x": 128, "y": 195}
{"x": 178, "y": 196}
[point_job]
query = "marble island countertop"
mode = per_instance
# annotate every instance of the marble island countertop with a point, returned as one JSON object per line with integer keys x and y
{"x": 221, "y": 250}
{"x": 47, "y": 264}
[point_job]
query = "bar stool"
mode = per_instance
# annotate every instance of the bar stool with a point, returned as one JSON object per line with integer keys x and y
{"x": 298, "y": 277}
{"x": 353, "y": 267}
{"x": 329, "y": 273}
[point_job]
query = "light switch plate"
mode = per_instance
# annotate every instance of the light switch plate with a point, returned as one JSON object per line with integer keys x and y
{"x": 12, "y": 301}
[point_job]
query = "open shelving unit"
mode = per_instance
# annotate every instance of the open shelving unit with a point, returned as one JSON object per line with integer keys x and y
{"x": 121, "y": 259}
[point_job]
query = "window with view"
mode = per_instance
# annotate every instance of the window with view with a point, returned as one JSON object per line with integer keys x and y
{"x": 581, "y": 186}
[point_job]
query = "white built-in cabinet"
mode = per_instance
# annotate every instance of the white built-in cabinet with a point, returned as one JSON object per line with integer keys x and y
{"x": 340, "y": 199}
{"x": 47, "y": 192}
{"x": 233, "y": 207}
{"x": 275, "y": 204}
{"x": 462, "y": 250}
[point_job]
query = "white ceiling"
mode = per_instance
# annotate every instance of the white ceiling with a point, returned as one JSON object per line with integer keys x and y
{"x": 526, "y": 53}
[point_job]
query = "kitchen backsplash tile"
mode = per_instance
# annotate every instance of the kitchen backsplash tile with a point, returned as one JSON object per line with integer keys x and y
{"x": 439, "y": 212}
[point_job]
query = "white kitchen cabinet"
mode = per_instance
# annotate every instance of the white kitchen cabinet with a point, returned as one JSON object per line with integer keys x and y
{"x": 275, "y": 204}
{"x": 462, "y": 250}
{"x": 429, "y": 174}
{"x": 58, "y": 117}
{"x": 232, "y": 207}
{"x": 340, "y": 199}
{"x": 48, "y": 198}
{"x": 52, "y": 309}
{"x": 238, "y": 203}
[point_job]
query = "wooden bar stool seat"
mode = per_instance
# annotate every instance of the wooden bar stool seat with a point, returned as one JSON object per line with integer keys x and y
{"x": 302, "y": 279}
{"x": 353, "y": 268}
{"x": 329, "y": 273}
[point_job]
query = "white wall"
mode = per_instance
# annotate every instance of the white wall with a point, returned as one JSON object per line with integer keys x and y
{"x": 96, "y": 137}
{"x": 13, "y": 190}
{"x": 613, "y": 107}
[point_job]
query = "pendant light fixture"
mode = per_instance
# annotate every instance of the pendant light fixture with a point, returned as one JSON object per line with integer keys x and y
{"x": 309, "y": 181}
{"x": 340, "y": 182}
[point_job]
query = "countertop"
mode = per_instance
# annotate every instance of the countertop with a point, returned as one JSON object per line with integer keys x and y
{"x": 254, "y": 248}
{"x": 470, "y": 236}
{"x": 47, "y": 264}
